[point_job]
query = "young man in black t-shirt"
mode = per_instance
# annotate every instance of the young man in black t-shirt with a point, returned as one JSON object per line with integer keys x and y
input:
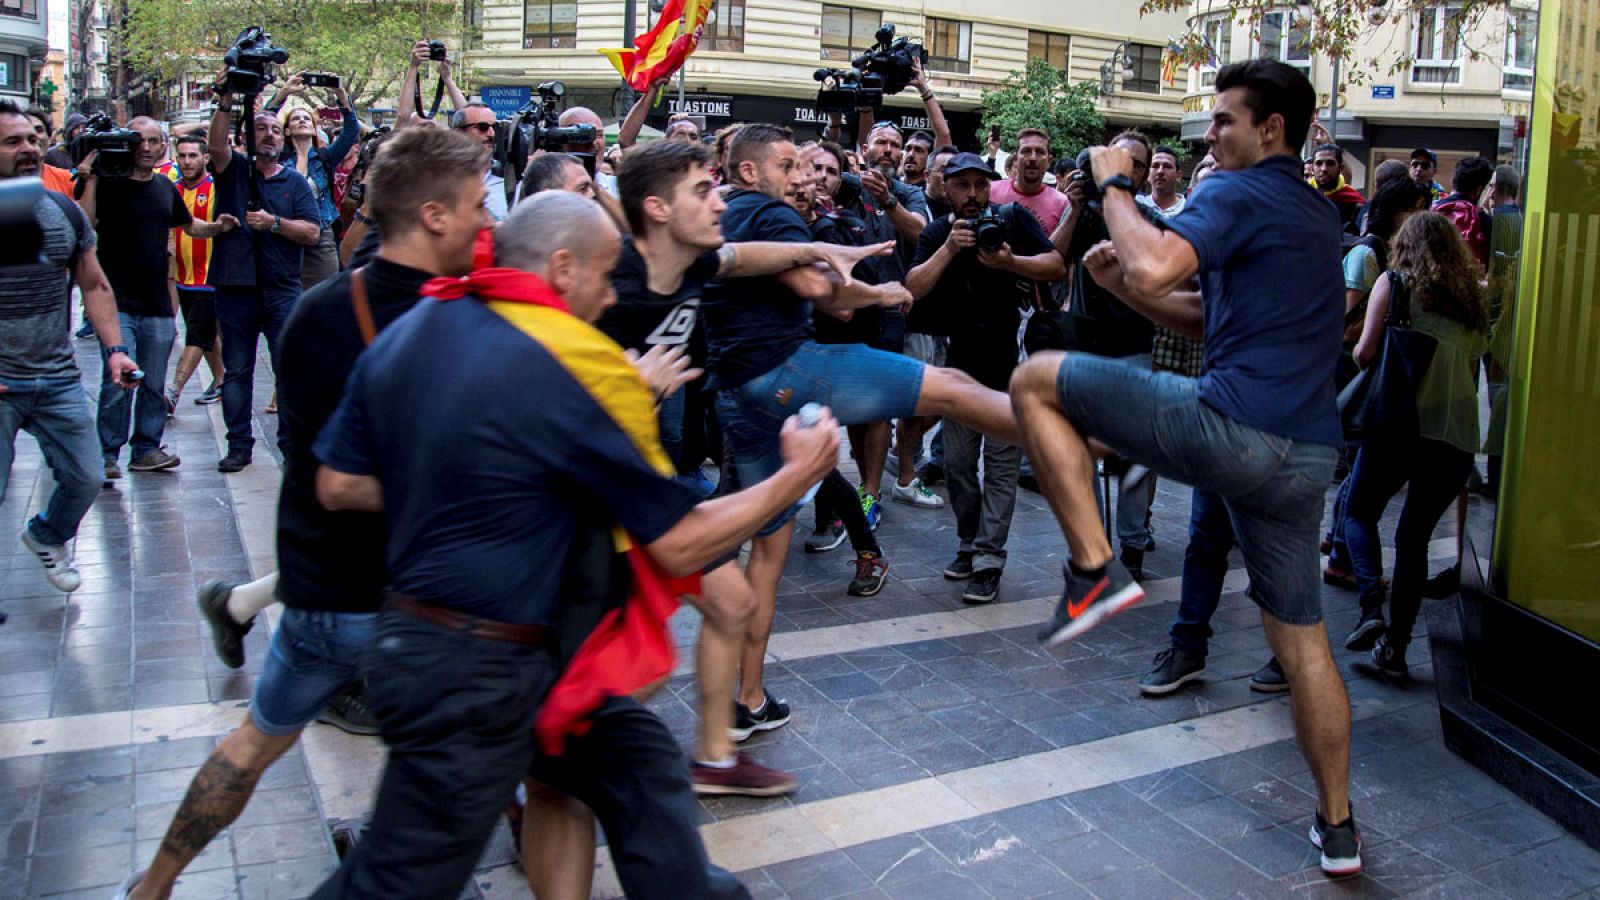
{"x": 332, "y": 563}
{"x": 677, "y": 246}
{"x": 135, "y": 217}
{"x": 982, "y": 292}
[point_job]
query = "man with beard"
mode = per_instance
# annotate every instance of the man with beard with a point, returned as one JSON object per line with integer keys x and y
{"x": 938, "y": 204}
{"x": 255, "y": 269}
{"x": 1325, "y": 174}
{"x": 1165, "y": 173}
{"x": 1026, "y": 187}
{"x": 192, "y": 262}
{"x": 914, "y": 169}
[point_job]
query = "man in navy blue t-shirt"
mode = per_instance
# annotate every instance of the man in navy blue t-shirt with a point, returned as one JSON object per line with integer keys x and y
{"x": 1258, "y": 427}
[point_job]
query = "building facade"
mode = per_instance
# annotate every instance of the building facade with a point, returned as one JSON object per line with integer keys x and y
{"x": 24, "y": 41}
{"x": 1466, "y": 90}
{"x": 757, "y": 58}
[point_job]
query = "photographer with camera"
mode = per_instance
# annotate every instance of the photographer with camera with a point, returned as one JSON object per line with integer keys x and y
{"x": 408, "y": 112}
{"x": 255, "y": 270}
{"x": 135, "y": 216}
{"x": 317, "y": 163}
{"x": 977, "y": 269}
{"x": 48, "y": 239}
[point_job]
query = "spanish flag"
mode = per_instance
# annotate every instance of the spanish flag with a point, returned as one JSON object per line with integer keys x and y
{"x": 662, "y": 50}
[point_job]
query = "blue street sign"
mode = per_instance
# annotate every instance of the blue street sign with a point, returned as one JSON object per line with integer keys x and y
{"x": 506, "y": 99}
{"x": 1383, "y": 92}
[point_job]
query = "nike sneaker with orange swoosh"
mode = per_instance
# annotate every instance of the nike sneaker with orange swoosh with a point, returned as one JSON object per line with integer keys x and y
{"x": 1087, "y": 601}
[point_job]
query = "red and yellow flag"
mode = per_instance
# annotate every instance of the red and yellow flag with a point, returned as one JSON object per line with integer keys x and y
{"x": 661, "y": 51}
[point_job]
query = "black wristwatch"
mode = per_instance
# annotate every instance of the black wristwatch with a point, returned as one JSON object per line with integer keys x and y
{"x": 890, "y": 201}
{"x": 114, "y": 349}
{"x": 1120, "y": 182}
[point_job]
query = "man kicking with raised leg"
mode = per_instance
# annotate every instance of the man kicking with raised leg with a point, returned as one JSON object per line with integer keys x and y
{"x": 1259, "y": 427}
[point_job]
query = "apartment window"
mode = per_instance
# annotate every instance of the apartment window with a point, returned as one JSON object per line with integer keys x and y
{"x": 1145, "y": 60}
{"x": 472, "y": 22}
{"x": 548, "y": 23}
{"x": 13, "y": 73}
{"x": 1522, "y": 31}
{"x": 846, "y": 31}
{"x": 949, "y": 45}
{"x": 1436, "y": 52}
{"x": 1048, "y": 46}
{"x": 1218, "y": 34}
{"x": 1286, "y": 38}
{"x": 22, "y": 9}
{"x": 724, "y": 26}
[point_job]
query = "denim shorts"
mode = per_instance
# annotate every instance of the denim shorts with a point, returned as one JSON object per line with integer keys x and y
{"x": 859, "y": 384}
{"x": 1273, "y": 486}
{"x": 314, "y": 655}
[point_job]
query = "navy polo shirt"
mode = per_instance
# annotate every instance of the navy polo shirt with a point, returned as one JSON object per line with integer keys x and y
{"x": 1273, "y": 296}
{"x": 287, "y": 195}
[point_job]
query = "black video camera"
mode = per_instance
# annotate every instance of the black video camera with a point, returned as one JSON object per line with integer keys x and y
{"x": 535, "y": 127}
{"x": 115, "y": 146}
{"x": 989, "y": 229}
{"x": 891, "y": 59}
{"x": 1092, "y": 197}
{"x": 437, "y": 51}
{"x": 357, "y": 192}
{"x": 847, "y": 90}
{"x": 250, "y": 61}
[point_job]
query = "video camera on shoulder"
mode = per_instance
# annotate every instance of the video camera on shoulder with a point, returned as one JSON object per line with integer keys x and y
{"x": 847, "y": 90}
{"x": 885, "y": 69}
{"x": 250, "y": 62}
{"x": 115, "y": 146}
{"x": 535, "y": 127}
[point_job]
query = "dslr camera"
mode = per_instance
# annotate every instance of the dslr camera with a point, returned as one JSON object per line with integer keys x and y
{"x": 535, "y": 128}
{"x": 357, "y": 192}
{"x": 437, "y": 51}
{"x": 989, "y": 229}
{"x": 847, "y": 90}
{"x": 250, "y": 62}
{"x": 891, "y": 59}
{"x": 1092, "y": 197}
{"x": 116, "y": 146}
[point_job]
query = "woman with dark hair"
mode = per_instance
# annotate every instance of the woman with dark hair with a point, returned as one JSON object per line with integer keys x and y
{"x": 1431, "y": 270}
{"x": 307, "y": 152}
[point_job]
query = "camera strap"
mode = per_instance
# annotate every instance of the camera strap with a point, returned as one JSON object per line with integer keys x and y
{"x": 360, "y": 306}
{"x": 438, "y": 95}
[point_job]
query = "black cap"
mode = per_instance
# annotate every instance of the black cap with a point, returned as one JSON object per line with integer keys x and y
{"x": 1425, "y": 153}
{"x": 969, "y": 162}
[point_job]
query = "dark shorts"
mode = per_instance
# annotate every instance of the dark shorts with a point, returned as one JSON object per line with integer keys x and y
{"x": 1273, "y": 486}
{"x": 199, "y": 306}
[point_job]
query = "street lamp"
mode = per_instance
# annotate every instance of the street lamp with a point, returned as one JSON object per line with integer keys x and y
{"x": 1108, "y": 69}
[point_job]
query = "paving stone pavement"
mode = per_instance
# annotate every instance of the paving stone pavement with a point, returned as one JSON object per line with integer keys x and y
{"x": 941, "y": 751}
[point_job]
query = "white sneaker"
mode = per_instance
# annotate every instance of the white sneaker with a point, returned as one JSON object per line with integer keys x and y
{"x": 128, "y": 884}
{"x": 917, "y": 494}
{"x": 57, "y": 562}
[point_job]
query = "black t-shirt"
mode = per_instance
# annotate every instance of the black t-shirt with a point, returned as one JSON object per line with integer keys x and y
{"x": 329, "y": 560}
{"x": 865, "y": 325}
{"x": 754, "y": 324}
{"x": 1094, "y": 320}
{"x": 880, "y": 227}
{"x": 287, "y": 195}
{"x": 135, "y": 220}
{"x": 978, "y": 307}
{"x": 642, "y": 318}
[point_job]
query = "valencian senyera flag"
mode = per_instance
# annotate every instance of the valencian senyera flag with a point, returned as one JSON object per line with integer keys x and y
{"x": 662, "y": 50}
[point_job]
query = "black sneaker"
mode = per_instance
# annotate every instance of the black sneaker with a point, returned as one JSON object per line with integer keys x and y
{"x": 348, "y": 712}
{"x": 227, "y": 636}
{"x": 1367, "y": 631}
{"x": 774, "y": 713}
{"x": 1269, "y": 679}
{"x": 1174, "y": 668}
{"x": 1086, "y": 603}
{"x": 235, "y": 461}
{"x": 1340, "y": 845}
{"x": 960, "y": 568}
{"x": 1133, "y": 559}
{"x": 1391, "y": 661}
{"x": 983, "y": 588}
{"x": 871, "y": 570}
{"x": 1445, "y": 584}
{"x": 825, "y": 537}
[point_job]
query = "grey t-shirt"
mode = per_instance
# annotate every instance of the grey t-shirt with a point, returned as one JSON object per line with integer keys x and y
{"x": 35, "y": 314}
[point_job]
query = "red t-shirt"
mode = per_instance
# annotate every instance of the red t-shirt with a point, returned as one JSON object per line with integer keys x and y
{"x": 1047, "y": 206}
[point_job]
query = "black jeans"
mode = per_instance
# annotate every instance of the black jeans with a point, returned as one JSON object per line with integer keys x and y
{"x": 629, "y": 770}
{"x": 457, "y": 713}
{"x": 836, "y": 499}
{"x": 1433, "y": 474}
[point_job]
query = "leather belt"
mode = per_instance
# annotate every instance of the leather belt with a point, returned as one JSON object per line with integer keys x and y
{"x": 465, "y": 623}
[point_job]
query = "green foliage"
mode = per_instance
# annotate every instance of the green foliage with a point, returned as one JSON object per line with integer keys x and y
{"x": 1040, "y": 96}
{"x": 365, "y": 42}
{"x": 1176, "y": 145}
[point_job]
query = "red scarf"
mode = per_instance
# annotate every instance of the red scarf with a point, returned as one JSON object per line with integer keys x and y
{"x": 630, "y": 648}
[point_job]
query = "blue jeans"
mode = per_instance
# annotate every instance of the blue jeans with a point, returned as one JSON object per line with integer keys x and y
{"x": 56, "y": 412}
{"x": 1205, "y": 564}
{"x": 859, "y": 384}
{"x": 314, "y": 655}
{"x": 149, "y": 340}
{"x": 1272, "y": 486}
{"x": 244, "y": 314}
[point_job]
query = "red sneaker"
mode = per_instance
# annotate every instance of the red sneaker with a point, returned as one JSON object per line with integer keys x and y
{"x": 745, "y": 777}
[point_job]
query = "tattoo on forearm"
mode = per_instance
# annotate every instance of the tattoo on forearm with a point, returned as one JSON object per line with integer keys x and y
{"x": 727, "y": 258}
{"x": 217, "y": 795}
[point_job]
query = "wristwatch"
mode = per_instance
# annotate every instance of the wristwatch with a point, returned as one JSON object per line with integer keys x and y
{"x": 890, "y": 201}
{"x": 277, "y": 221}
{"x": 1120, "y": 182}
{"x": 363, "y": 218}
{"x": 114, "y": 349}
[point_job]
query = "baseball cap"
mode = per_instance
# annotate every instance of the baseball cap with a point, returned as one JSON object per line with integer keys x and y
{"x": 1425, "y": 153}
{"x": 969, "y": 162}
